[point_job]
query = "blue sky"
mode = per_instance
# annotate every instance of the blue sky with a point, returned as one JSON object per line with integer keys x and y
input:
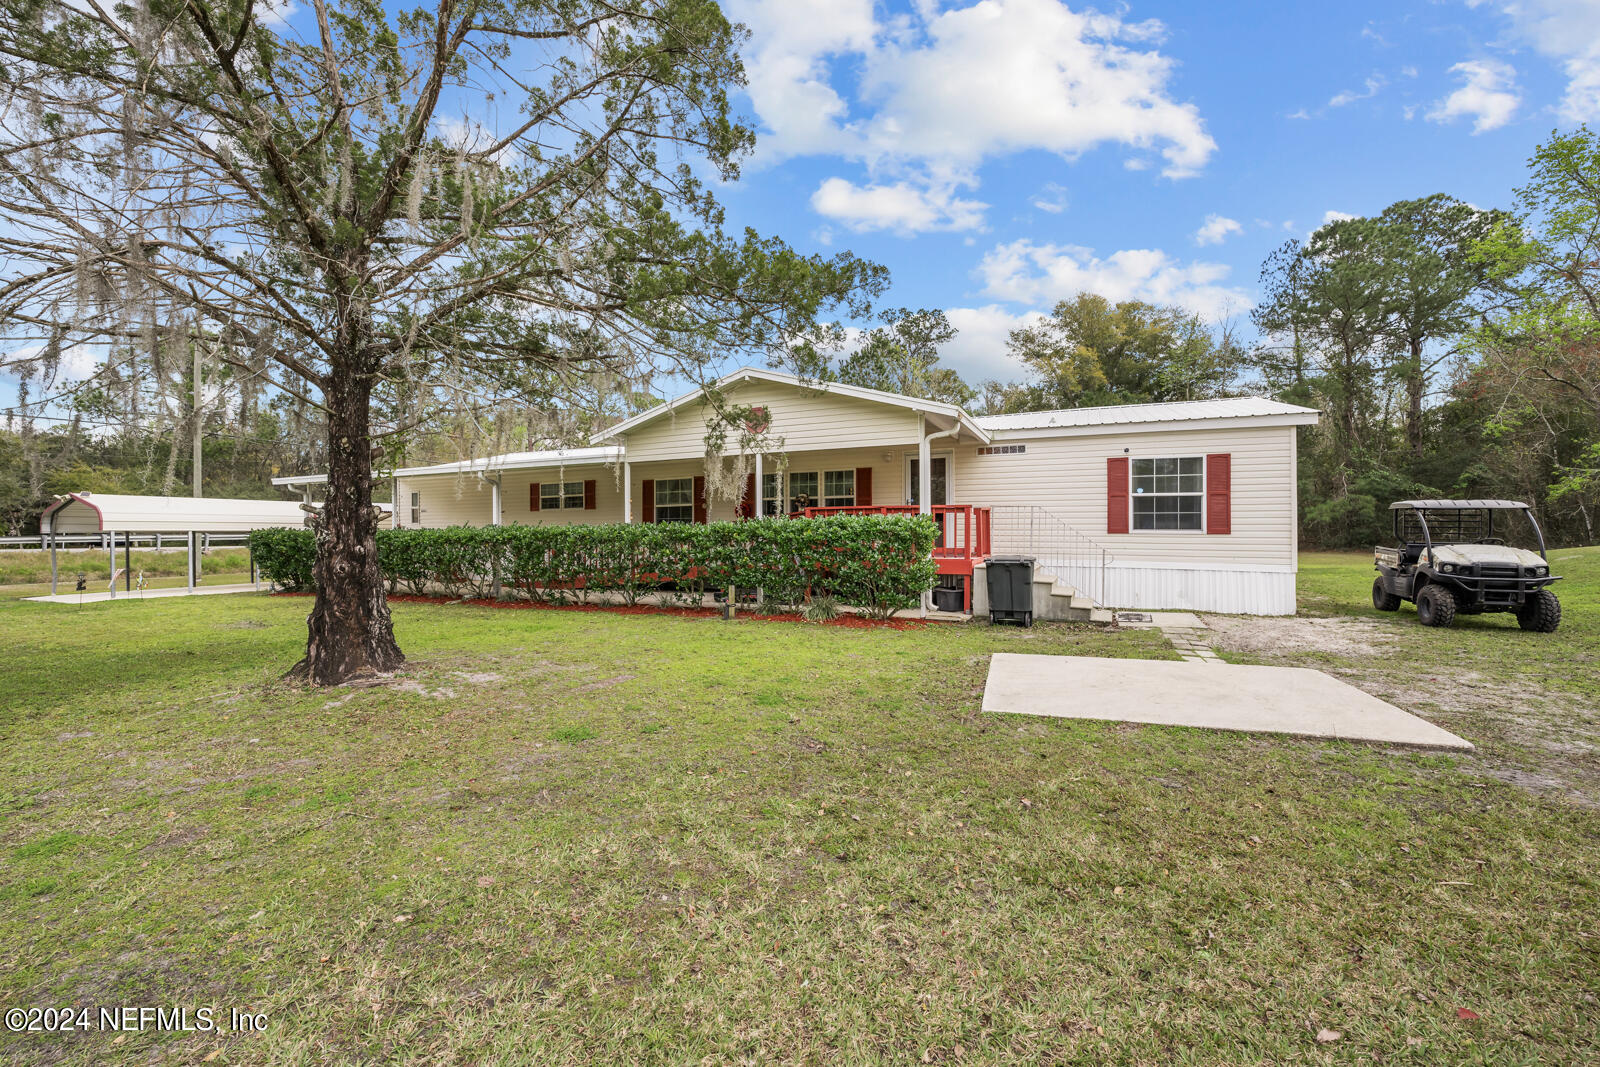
{"x": 1001, "y": 155}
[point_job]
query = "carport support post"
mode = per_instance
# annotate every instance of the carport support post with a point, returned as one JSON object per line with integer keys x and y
{"x": 127, "y": 562}
{"x": 189, "y": 550}
{"x": 52, "y": 557}
{"x": 111, "y": 549}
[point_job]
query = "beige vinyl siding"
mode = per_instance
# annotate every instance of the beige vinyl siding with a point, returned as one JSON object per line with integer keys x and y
{"x": 1067, "y": 476}
{"x": 464, "y": 500}
{"x": 806, "y": 420}
{"x": 447, "y": 500}
{"x": 607, "y": 495}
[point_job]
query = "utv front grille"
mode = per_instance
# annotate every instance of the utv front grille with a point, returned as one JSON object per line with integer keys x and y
{"x": 1501, "y": 583}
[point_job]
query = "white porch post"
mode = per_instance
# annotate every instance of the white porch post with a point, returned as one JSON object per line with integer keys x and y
{"x": 758, "y": 506}
{"x": 924, "y": 469}
{"x": 494, "y": 500}
{"x": 627, "y": 492}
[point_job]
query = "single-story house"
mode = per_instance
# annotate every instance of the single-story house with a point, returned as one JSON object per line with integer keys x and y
{"x": 1177, "y": 505}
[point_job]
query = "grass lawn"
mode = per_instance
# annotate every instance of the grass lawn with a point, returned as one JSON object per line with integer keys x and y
{"x": 586, "y": 838}
{"x": 27, "y": 573}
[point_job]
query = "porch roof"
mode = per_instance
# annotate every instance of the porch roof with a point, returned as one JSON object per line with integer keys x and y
{"x": 942, "y": 416}
{"x": 554, "y": 457}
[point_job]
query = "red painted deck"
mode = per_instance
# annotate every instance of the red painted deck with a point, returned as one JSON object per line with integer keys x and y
{"x": 963, "y": 537}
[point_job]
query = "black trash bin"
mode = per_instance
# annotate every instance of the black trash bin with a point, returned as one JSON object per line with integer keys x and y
{"x": 1011, "y": 589}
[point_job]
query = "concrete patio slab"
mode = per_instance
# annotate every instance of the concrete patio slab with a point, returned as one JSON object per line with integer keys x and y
{"x": 1212, "y": 695}
{"x": 136, "y": 595}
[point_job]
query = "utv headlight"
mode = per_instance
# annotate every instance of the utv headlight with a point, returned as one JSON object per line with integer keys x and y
{"x": 1448, "y": 568}
{"x": 1538, "y": 572}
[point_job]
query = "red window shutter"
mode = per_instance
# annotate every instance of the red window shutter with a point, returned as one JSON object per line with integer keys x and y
{"x": 747, "y": 502}
{"x": 533, "y": 497}
{"x": 649, "y": 500}
{"x": 1117, "y": 494}
{"x": 588, "y": 495}
{"x": 700, "y": 498}
{"x": 1219, "y": 493}
{"x": 863, "y": 486}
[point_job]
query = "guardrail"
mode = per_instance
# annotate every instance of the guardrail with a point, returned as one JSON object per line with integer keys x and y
{"x": 173, "y": 541}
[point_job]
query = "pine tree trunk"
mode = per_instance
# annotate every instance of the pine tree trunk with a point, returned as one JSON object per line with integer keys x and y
{"x": 1414, "y": 389}
{"x": 351, "y": 634}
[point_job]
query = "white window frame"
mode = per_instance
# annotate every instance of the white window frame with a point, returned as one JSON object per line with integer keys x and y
{"x": 416, "y": 508}
{"x": 839, "y": 500}
{"x": 1134, "y": 494}
{"x": 687, "y": 505}
{"x": 563, "y": 497}
{"x": 773, "y": 503}
{"x": 816, "y": 498}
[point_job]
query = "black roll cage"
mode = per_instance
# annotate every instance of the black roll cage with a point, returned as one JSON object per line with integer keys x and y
{"x": 1427, "y": 536}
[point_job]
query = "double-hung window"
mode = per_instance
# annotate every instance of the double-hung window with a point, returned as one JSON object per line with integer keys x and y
{"x": 416, "y": 509}
{"x": 674, "y": 499}
{"x": 1169, "y": 494}
{"x": 556, "y": 495}
{"x": 772, "y": 494}
{"x": 803, "y": 491}
{"x": 839, "y": 489}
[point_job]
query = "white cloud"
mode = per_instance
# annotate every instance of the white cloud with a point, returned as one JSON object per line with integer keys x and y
{"x": 1488, "y": 95}
{"x": 979, "y": 349}
{"x": 1216, "y": 229}
{"x": 1373, "y": 85}
{"x": 1041, "y": 274}
{"x": 1052, "y": 199}
{"x": 1567, "y": 31}
{"x": 1336, "y": 216}
{"x": 1300, "y": 114}
{"x": 901, "y": 207}
{"x": 935, "y": 92}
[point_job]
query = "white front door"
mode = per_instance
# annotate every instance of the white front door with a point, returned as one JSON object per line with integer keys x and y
{"x": 940, "y": 479}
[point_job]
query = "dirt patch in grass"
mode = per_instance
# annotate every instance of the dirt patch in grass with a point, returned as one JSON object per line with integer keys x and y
{"x": 1267, "y": 636}
{"x": 1528, "y": 733}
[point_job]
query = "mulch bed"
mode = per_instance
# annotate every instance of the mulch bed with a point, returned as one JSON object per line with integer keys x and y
{"x": 850, "y": 622}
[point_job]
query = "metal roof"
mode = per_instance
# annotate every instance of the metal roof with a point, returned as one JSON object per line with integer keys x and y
{"x": 1447, "y": 505}
{"x": 179, "y": 514}
{"x": 1243, "y": 407}
{"x": 555, "y": 457}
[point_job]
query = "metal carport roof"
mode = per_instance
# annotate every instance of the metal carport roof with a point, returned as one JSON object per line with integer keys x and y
{"x": 118, "y": 513}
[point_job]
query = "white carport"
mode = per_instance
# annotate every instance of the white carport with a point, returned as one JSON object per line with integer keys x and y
{"x": 125, "y": 516}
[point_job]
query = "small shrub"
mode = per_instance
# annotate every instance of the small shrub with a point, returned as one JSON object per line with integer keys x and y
{"x": 822, "y": 609}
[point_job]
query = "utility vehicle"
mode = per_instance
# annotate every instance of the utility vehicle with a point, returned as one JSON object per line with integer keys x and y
{"x": 1449, "y": 560}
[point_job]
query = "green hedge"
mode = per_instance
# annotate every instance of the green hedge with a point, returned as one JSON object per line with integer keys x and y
{"x": 875, "y": 562}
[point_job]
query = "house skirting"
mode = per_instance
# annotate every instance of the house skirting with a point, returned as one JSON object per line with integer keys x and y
{"x": 1231, "y": 590}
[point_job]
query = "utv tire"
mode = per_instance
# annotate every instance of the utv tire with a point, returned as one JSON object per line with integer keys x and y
{"x": 1436, "y": 606}
{"x": 1382, "y": 599}
{"x": 1541, "y": 613}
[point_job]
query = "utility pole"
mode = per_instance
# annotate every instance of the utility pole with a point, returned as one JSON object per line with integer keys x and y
{"x": 197, "y": 395}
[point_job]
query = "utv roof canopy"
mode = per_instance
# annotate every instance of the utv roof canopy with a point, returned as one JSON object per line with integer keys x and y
{"x": 1446, "y": 505}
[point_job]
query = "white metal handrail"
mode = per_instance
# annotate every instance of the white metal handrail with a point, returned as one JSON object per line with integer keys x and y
{"x": 1029, "y": 530}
